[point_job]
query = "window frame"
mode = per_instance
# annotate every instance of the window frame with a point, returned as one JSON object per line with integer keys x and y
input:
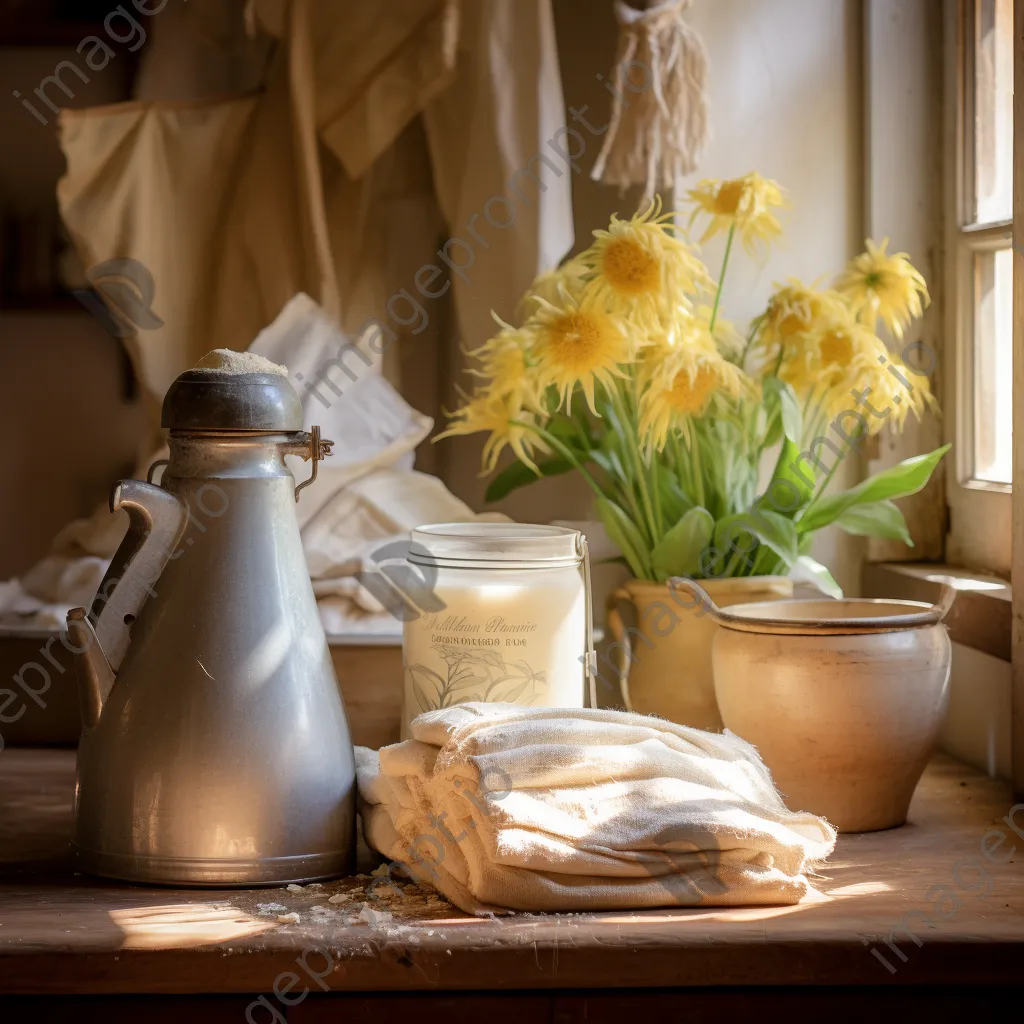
{"x": 971, "y": 501}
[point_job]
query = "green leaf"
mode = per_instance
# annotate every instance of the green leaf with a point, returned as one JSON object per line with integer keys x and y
{"x": 806, "y": 568}
{"x": 780, "y": 393}
{"x": 675, "y": 503}
{"x": 518, "y": 474}
{"x": 603, "y": 459}
{"x": 565, "y": 429}
{"x": 738, "y": 535}
{"x": 789, "y": 490}
{"x": 739, "y": 482}
{"x": 773, "y": 434}
{"x": 581, "y": 414}
{"x": 626, "y": 537}
{"x": 897, "y": 482}
{"x": 776, "y": 532}
{"x": 734, "y": 548}
{"x": 678, "y": 552}
{"x": 877, "y": 519}
{"x": 609, "y": 460}
{"x": 768, "y": 563}
{"x": 614, "y": 426}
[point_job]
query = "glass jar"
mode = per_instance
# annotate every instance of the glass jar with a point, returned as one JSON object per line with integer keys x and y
{"x": 509, "y": 619}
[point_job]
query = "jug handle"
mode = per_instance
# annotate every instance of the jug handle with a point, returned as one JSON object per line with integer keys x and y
{"x": 156, "y": 522}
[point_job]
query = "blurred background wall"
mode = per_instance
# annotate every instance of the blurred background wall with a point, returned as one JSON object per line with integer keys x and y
{"x": 68, "y": 416}
{"x": 785, "y": 91}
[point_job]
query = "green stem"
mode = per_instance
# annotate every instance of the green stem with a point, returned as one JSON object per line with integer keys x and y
{"x": 698, "y": 472}
{"x": 633, "y": 446}
{"x": 682, "y": 467}
{"x": 577, "y": 428}
{"x": 562, "y": 450}
{"x": 627, "y": 409}
{"x": 721, "y": 276}
{"x": 625, "y": 493}
{"x": 821, "y": 490}
{"x": 648, "y": 462}
{"x": 817, "y": 418}
{"x": 754, "y": 328}
{"x": 659, "y": 519}
{"x": 828, "y": 476}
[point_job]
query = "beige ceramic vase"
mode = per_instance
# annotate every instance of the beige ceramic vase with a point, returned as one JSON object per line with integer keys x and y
{"x": 843, "y": 699}
{"x": 663, "y": 663}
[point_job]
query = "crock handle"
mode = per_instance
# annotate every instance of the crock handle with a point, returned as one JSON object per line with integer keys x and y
{"x": 945, "y": 603}
{"x": 701, "y": 597}
{"x": 620, "y": 637}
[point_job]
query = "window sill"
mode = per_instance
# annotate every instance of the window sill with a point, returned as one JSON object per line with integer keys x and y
{"x": 981, "y": 614}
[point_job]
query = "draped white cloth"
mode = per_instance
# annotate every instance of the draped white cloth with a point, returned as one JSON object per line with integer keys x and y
{"x": 366, "y": 496}
{"x": 331, "y": 154}
{"x": 373, "y": 133}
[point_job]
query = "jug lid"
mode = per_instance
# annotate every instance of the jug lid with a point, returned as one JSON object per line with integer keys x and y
{"x": 212, "y": 399}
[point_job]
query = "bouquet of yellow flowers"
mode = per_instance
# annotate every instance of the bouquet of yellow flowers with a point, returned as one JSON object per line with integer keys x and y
{"x": 623, "y": 371}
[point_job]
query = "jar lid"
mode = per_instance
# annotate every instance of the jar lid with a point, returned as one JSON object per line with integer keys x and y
{"x": 497, "y": 545}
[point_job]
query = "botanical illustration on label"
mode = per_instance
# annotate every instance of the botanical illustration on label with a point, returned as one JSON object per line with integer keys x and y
{"x": 514, "y": 637}
{"x": 473, "y": 674}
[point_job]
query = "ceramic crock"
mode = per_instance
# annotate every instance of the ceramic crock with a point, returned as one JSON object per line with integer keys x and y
{"x": 843, "y": 699}
{"x": 663, "y": 664}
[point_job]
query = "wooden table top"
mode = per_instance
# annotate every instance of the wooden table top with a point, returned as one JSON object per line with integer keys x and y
{"x": 62, "y": 933}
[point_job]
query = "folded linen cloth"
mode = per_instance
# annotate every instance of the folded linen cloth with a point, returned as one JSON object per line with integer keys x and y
{"x": 503, "y": 807}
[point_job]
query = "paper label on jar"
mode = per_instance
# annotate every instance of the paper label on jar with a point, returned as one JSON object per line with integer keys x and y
{"x": 521, "y": 648}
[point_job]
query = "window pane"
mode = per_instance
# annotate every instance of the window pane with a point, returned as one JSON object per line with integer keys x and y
{"x": 993, "y": 111}
{"x": 993, "y": 366}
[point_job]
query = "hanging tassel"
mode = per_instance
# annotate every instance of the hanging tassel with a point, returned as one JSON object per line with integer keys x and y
{"x": 658, "y": 124}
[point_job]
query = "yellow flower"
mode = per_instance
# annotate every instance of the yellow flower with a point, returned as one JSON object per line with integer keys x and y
{"x": 685, "y": 330}
{"x": 485, "y": 412}
{"x": 794, "y": 311}
{"x": 892, "y": 389}
{"x": 506, "y": 370}
{"x": 833, "y": 361}
{"x": 794, "y": 307}
{"x": 641, "y": 270}
{"x": 682, "y": 375}
{"x": 741, "y": 203}
{"x": 821, "y": 361}
{"x": 836, "y": 349}
{"x": 575, "y": 341}
{"x": 886, "y": 287}
{"x": 549, "y": 286}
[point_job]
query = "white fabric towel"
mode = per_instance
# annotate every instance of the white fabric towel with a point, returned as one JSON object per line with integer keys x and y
{"x": 503, "y": 807}
{"x": 357, "y": 514}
